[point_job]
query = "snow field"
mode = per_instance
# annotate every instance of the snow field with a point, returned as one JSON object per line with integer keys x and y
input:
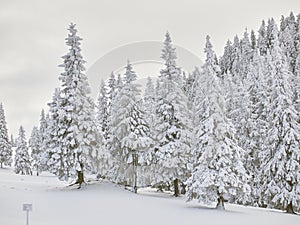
{"x": 104, "y": 203}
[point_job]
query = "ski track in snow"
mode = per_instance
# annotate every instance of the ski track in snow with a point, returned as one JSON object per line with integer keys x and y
{"x": 54, "y": 203}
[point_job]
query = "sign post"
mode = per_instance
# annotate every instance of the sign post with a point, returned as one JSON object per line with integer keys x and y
{"x": 27, "y": 208}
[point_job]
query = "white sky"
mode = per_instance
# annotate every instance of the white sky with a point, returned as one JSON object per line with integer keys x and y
{"x": 33, "y": 32}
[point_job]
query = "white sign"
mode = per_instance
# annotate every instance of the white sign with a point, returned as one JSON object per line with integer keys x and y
{"x": 27, "y": 207}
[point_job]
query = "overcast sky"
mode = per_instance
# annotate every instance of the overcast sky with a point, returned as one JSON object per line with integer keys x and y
{"x": 33, "y": 32}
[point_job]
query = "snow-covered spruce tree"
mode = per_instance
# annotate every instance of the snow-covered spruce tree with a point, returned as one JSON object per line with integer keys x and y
{"x": 102, "y": 117}
{"x": 237, "y": 95}
{"x": 297, "y": 85}
{"x": 145, "y": 109}
{"x": 271, "y": 33}
{"x": 171, "y": 71}
{"x": 111, "y": 94}
{"x": 110, "y": 167}
{"x": 22, "y": 159}
{"x": 262, "y": 39}
{"x": 149, "y": 88}
{"x": 119, "y": 83}
{"x": 199, "y": 103}
{"x": 239, "y": 111}
{"x": 129, "y": 130}
{"x": 246, "y": 55}
{"x": 43, "y": 135}
{"x": 102, "y": 109}
{"x": 35, "y": 145}
{"x": 236, "y": 63}
{"x": 257, "y": 123}
{"x": 58, "y": 154}
{"x": 5, "y": 145}
{"x": 297, "y": 65}
{"x": 226, "y": 59}
{"x": 137, "y": 142}
{"x": 282, "y": 167}
{"x": 77, "y": 131}
{"x": 147, "y": 104}
{"x": 287, "y": 42}
{"x": 173, "y": 125}
{"x": 108, "y": 163}
{"x": 188, "y": 86}
{"x": 218, "y": 172}
{"x": 12, "y": 140}
{"x": 111, "y": 83}
{"x": 253, "y": 40}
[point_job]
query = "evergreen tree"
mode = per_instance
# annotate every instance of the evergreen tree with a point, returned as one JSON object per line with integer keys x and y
{"x": 257, "y": 123}
{"x": 281, "y": 171}
{"x": 35, "y": 145}
{"x": 22, "y": 159}
{"x": 173, "y": 125}
{"x": 253, "y": 39}
{"x": 76, "y": 143}
{"x": 112, "y": 83}
{"x": 102, "y": 110}
{"x": 246, "y": 54}
{"x": 107, "y": 162}
{"x": 5, "y": 145}
{"x": 171, "y": 71}
{"x": 262, "y": 39}
{"x": 12, "y": 141}
{"x": 218, "y": 171}
{"x": 103, "y": 115}
{"x": 236, "y": 93}
{"x": 297, "y": 65}
{"x": 137, "y": 142}
{"x": 121, "y": 125}
{"x": 188, "y": 87}
{"x": 43, "y": 135}
{"x": 271, "y": 33}
{"x": 149, "y": 89}
{"x": 119, "y": 83}
{"x": 226, "y": 59}
{"x": 57, "y": 153}
{"x": 237, "y": 64}
{"x": 287, "y": 40}
{"x": 147, "y": 106}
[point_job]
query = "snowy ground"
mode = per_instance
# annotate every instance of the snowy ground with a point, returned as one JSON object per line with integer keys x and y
{"x": 108, "y": 204}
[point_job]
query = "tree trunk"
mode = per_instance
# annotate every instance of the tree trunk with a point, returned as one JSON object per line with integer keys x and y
{"x": 176, "y": 188}
{"x": 80, "y": 178}
{"x": 1, "y": 164}
{"x": 289, "y": 208}
{"x": 220, "y": 204}
{"x": 134, "y": 164}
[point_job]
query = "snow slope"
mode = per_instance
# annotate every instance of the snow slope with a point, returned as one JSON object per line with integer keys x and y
{"x": 109, "y": 204}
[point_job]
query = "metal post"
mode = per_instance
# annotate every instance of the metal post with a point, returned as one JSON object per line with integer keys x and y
{"x": 27, "y": 217}
{"x": 27, "y": 208}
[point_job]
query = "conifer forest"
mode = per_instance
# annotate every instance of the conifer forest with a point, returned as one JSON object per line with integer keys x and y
{"x": 227, "y": 132}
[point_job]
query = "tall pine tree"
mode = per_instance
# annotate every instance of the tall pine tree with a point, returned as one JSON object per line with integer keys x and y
{"x": 35, "y": 145}
{"x": 121, "y": 124}
{"x": 22, "y": 158}
{"x": 77, "y": 130}
{"x": 218, "y": 171}
{"x": 282, "y": 167}
{"x": 173, "y": 125}
{"x": 5, "y": 145}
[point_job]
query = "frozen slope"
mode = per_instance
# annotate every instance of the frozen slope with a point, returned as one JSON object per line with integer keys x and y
{"x": 108, "y": 204}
